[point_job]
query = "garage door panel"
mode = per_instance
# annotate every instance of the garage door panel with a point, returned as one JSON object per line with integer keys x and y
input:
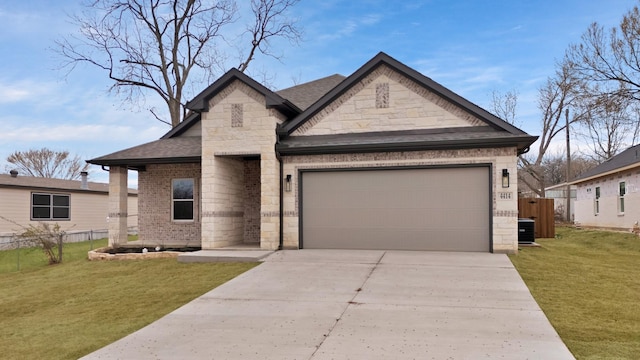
{"x": 396, "y": 239}
{"x": 407, "y": 209}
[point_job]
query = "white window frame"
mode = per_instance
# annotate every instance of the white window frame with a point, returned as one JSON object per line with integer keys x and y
{"x": 596, "y": 201}
{"x": 174, "y": 200}
{"x": 622, "y": 191}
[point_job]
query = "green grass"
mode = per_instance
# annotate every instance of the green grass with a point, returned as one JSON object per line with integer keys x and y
{"x": 68, "y": 310}
{"x": 32, "y": 258}
{"x": 588, "y": 284}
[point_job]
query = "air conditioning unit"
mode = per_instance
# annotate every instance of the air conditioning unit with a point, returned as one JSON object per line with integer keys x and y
{"x": 526, "y": 231}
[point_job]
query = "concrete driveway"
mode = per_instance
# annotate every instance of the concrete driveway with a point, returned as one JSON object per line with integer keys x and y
{"x": 336, "y": 304}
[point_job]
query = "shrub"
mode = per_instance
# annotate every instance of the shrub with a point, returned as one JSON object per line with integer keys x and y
{"x": 47, "y": 237}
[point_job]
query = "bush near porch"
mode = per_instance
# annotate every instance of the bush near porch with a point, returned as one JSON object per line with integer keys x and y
{"x": 68, "y": 310}
{"x": 587, "y": 282}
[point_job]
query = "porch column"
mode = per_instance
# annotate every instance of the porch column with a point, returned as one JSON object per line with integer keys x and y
{"x": 269, "y": 201}
{"x": 118, "y": 196}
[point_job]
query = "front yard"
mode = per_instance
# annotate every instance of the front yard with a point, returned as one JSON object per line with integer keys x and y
{"x": 588, "y": 284}
{"x": 68, "y": 310}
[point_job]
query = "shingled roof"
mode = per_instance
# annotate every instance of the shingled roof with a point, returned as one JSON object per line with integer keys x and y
{"x": 183, "y": 149}
{"x": 301, "y": 102}
{"x": 50, "y": 184}
{"x": 501, "y": 133}
{"x": 172, "y": 148}
{"x": 304, "y": 95}
{"x": 408, "y": 140}
{"x": 627, "y": 159}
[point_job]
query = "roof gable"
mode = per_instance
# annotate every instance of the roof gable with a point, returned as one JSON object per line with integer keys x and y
{"x": 383, "y": 59}
{"x": 386, "y": 100}
{"x": 201, "y": 101}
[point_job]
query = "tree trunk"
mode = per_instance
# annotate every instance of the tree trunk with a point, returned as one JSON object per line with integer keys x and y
{"x": 175, "y": 111}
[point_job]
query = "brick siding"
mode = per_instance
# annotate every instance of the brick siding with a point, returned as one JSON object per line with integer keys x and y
{"x": 154, "y": 206}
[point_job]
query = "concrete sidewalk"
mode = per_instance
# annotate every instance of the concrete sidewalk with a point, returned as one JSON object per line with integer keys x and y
{"x": 326, "y": 304}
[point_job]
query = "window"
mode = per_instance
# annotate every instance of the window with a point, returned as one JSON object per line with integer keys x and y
{"x": 596, "y": 205}
{"x": 182, "y": 199}
{"x": 621, "y": 192}
{"x": 50, "y": 206}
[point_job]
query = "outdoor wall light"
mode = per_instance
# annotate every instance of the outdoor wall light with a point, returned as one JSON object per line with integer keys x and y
{"x": 287, "y": 183}
{"x": 505, "y": 178}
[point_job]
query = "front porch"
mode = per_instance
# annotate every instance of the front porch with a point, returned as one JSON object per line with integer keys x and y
{"x": 230, "y": 206}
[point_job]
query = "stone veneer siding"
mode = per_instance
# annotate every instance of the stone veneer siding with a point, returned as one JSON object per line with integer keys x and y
{"x": 504, "y": 202}
{"x": 407, "y": 106}
{"x": 154, "y": 206}
{"x": 223, "y": 198}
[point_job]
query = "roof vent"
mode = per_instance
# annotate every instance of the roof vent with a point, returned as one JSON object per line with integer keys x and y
{"x": 14, "y": 173}
{"x": 84, "y": 184}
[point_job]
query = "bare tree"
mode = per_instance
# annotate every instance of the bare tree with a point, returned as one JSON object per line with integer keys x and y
{"x": 610, "y": 56}
{"x": 607, "y": 61}
{"x": 557, "y": 95}
{"x": 610, "y": 124}
{"x": 504, "y": 105}
{"x": 48, "y": 163}
{"x": 158, "y": 46}
{"x": 554, "y": 166}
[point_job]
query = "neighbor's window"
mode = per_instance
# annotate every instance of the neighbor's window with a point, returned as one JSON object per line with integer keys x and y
{"x": 596, "y": 205}
{"x": 50, "y": 206}
{"x": 182, "y": 199}
{"x": 621, "y": 191}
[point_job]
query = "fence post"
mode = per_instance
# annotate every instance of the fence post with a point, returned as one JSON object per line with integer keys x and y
{"x": 17, "y": 252}
{"x": 91, "y": 239}
{"x": 60, "y": 247}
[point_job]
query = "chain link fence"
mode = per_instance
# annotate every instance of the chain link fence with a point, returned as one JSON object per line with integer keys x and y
{"x": 12, "y": 241}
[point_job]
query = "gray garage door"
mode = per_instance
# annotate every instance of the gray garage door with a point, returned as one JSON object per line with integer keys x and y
{"x": 443, "y": 209}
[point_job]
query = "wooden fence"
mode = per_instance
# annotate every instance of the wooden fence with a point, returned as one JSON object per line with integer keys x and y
{"x": 541, "y": 211}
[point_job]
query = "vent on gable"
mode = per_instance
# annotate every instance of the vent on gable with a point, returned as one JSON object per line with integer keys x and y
{"x": 236, "y": 115}
{"x": 382, "y": 95}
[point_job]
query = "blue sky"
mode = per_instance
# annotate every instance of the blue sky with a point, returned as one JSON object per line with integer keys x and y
{"x": 471, "y": 47}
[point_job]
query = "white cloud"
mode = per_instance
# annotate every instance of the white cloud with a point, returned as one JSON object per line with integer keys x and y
{"x": 9, "y": 95}
{"x": 370, "y": 19}
{"x": 350, "y": 26}
{"x": 22, "y": 90}
{"x": 70, "y": 132}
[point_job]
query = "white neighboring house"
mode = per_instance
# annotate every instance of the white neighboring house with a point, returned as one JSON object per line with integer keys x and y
{"x": 78, "y": 206}
{"x": 558, "y": 193}
{"x": 607, "y": 195}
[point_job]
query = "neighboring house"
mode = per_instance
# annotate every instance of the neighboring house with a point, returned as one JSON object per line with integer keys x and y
{"x": 608, "y": 194}
{"x": 385, "y": 158}
{"x": 558, "y": 193}
{"x": 76, "y": 205}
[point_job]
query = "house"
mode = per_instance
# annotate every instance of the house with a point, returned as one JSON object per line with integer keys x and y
{"x": 76, "y": 205}
{"x": 558, "y": 193}
{"x": 607, "y": 195}
{"x": 385, "y": 158}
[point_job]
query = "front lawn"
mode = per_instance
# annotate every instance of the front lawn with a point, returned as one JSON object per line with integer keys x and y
{"x": 588, "y": 284}
{"x": 68, "y": 310}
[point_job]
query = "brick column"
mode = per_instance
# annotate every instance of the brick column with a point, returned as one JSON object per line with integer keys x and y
{"x": 118, "y": 193}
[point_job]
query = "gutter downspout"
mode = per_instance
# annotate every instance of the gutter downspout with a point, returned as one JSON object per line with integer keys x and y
{"x": 281, "y": 236}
